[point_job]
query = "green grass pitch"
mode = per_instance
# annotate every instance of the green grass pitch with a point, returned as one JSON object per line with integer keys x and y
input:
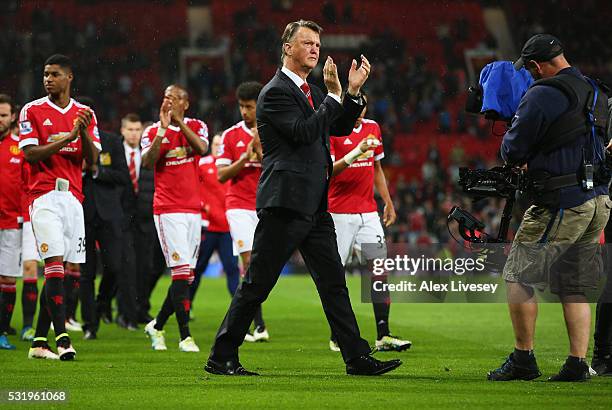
{"x": 454, "y": 345}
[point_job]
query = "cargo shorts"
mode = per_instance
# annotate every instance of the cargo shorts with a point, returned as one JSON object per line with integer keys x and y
{"x": 560, "y": 248}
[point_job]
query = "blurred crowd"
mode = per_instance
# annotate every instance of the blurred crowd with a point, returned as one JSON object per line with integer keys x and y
{"x": 407, "y": 96}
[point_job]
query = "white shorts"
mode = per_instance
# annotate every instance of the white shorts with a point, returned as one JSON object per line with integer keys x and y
{"x": 29, "y": 251}
{"x": 353, "y": 230}
{"x": 179, "y": 235}
{"x": 242, "y": 223}
{"x": 59, "y": 228}
{"x": 10, "y": 252}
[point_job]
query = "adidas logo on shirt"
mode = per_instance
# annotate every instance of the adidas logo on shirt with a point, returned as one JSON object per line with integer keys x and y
{"x": 348, "y": 141}
{"x": 165, "y": 140}
{"x": 240, "y": 144}
{"x": 47, "y": 122}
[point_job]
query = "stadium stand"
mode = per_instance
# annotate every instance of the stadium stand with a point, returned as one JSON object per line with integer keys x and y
{"x": 126, "y": 51}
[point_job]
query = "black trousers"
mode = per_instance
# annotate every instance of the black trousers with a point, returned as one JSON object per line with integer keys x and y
{"x": 151, "y": 264}
{"x": 278, "y": 234}
{"x": 603, "y": 315}
{"x": 126, "y": 281}
{"x": 110, "y": 237}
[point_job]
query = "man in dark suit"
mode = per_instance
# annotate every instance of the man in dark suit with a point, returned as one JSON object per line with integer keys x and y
{"x": 102, "y": 188}
{"x": 142, "y": 255}
{"x": 294, "y": 121}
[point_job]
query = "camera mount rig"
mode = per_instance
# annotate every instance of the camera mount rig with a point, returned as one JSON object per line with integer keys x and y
{"x": 497, "y": 182}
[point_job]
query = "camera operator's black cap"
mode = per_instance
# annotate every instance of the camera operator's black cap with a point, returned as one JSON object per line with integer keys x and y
{"x": 541, "y": 47}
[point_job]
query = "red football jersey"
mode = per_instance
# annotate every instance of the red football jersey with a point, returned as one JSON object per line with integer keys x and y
{"x": 243, "y": 187}
{"x": 11, "y": 188}
{"x": 41, "y": 122}
{"x": 352, "y": 191}
{"x": 213, "y": 196}
{"x": 176, "y": 172}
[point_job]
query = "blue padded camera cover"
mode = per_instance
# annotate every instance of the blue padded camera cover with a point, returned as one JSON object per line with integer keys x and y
{"x": 503, "y": 87}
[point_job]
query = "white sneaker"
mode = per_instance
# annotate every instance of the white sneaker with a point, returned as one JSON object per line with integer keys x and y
{"x": 73, "y": 326}
{"x": 66, "y": 353}
{"x": 158, "y": 341}
{"x": 249, "y": 338}
{"x": 333, "y": 346}
{"x": 261, "y": 336}
{"x": 42, "y": 353}
{"x": 188, "y": 345}
{"x": 392, "y": 343}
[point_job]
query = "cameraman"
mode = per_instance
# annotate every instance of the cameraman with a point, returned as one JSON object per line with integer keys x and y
{"x": 560, "y": 144}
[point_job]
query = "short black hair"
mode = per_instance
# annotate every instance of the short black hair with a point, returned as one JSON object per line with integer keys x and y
{"x": 60, "y": 60}
{"x": 248, "y": 91}
{"x": 6, "y": 99}
{"x": 181, "y": 88}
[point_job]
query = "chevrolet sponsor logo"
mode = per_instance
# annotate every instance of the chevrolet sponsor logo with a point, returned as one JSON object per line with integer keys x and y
{"x": 178, "y": 152}
{"x": 58, "y": 136}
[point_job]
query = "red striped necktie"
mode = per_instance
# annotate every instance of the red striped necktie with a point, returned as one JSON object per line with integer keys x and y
{"x": 306, "y": 89}
{"x": 132, "y": 168}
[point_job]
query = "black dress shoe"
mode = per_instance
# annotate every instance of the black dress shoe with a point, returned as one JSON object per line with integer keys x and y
{"x": 90, "y": 335}
{"x": 366, "y": 365}
{"x": 145, "y": 318}
{"x": 602, "y": 364}
{"x": 105, "y": 314}
{"x": 227, "y": 369}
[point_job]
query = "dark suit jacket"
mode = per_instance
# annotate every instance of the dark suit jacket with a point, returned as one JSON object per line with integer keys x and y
{"x": 295, "y": 141}
{"x": 138, "y": 208}
{"x": 103, "y": 193}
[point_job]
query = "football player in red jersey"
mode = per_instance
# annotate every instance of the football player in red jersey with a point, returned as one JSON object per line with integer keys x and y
{"x": 240, "y": 163}
{"x": 57, "y": 134}
{"x": 356, "y": 172}
{"x": 215, "y": 231}
{"x": 172, "y": 147}
{"x": 11, "y": 162}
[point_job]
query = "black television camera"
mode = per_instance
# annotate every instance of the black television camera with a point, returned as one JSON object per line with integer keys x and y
{"x": 496, "y": 97}
{"x": 497, "y": 182}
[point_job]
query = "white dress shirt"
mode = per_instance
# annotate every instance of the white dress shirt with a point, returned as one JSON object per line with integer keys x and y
{"x": 128, "y": 154}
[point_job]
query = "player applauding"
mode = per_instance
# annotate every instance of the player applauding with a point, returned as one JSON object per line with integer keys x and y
{"x": 173, "y": 147}
{"x": 357, "y": 171}
{"x": 56, "y": 135}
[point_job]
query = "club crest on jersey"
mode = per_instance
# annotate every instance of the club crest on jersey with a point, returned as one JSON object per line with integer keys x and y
{"x": 25, "y": 127}
{"x": 47, "y": 122}
{"x": 175, "y": 256}
{"x": 44, "y": 248}
{"x": 366, "y": 155}
{"x": 240, "y": 243}
{"x": 105, "y": 158}
{"x": 14, "y": 149}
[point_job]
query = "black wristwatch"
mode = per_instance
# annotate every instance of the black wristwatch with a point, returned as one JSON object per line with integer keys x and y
{"x": 356, "y": 98}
